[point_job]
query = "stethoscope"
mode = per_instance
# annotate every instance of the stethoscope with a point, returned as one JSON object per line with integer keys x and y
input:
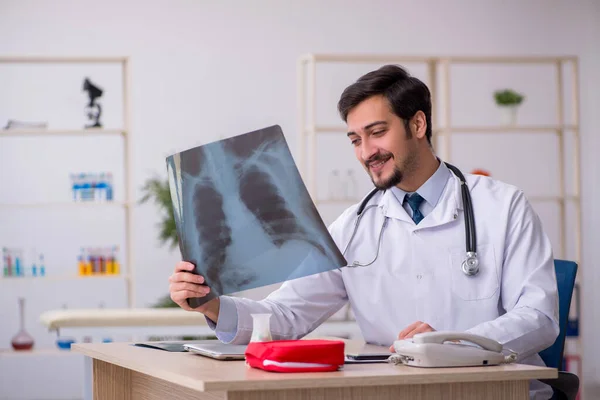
{"x": 470, "y": 265}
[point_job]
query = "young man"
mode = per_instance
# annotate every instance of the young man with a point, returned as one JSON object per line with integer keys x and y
{"x": 412, "y": 243}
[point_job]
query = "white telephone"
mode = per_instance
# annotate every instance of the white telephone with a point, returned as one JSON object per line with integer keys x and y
{"x": 441, "y": 349}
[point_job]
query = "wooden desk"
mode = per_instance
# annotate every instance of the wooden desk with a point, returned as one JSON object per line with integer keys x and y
{"x": 125, "y": 372}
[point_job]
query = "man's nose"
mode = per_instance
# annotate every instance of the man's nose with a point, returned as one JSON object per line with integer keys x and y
{"x": 367, "y": 151}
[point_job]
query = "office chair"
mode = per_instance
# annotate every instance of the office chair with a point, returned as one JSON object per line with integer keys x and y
{"x": 566, "y": 386}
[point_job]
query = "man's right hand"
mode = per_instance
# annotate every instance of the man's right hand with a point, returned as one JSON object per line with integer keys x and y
{"x": 184, "y": 284}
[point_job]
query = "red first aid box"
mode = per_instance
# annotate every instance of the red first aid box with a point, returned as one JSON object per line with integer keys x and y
{"x": 296, "y": 355}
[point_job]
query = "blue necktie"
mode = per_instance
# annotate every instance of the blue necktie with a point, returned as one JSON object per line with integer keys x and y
{"x": 414, "y": 201}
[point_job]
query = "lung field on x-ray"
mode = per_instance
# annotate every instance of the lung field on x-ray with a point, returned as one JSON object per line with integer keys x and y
{"x": 264, "y": 200}
{"x": 246, "y": 218}
{"x": 214, "y": 235}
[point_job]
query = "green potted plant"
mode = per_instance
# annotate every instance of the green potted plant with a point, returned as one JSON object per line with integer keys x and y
{"x": 509, "y": 101}
{"x": 157, "y": 190}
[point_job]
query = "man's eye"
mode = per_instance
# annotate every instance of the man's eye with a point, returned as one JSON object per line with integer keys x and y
{"x": 354, "y": 142}
{"x": 378, "y": 132}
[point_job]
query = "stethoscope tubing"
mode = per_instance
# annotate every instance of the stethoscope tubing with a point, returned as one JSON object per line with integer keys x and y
{"x": 470, "y": 233}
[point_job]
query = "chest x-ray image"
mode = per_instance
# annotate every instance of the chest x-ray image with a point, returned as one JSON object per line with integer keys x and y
{"x": 244, "y": 217}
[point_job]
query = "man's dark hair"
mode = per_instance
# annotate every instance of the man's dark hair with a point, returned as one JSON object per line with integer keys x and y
{"x": 406, "y": 94}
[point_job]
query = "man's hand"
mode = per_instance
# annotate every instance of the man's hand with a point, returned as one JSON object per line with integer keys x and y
{"x": 411, "y": 330}
{"x": 183, "y": 284}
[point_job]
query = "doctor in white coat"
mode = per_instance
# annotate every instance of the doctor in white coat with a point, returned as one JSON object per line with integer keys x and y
{"x": 413, "y": 280}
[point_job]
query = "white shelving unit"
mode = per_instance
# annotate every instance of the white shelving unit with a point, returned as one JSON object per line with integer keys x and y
{"x": 124, "y": 132}
{"x": 45, "y": 359}
{"x": 310, "y": 129}
{"x": 439, "y": 77}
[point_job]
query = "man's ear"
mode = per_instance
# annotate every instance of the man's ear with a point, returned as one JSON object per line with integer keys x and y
{"x": 419, "y": 124}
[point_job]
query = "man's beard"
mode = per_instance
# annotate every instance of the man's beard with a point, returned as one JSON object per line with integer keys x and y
{"x": 408, "y": 167}
{"x": 393, "y": 180}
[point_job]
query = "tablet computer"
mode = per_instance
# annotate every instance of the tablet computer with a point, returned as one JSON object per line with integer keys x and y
{"x": 218, "y": 350}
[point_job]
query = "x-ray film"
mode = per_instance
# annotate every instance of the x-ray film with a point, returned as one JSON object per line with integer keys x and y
{"x": 244, "y": 217}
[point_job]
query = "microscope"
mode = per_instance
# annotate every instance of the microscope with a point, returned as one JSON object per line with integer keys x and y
{"x": 93, "y": 110}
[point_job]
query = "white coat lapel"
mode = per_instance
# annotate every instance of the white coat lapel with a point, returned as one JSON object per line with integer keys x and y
{"x": 447, "y": 207}
{"x": 392, "y": 208}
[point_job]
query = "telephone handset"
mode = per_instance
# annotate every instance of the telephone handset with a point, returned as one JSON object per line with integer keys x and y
{"x": 448, "y": 349}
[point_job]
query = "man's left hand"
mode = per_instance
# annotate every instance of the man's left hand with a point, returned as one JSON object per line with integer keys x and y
{"x": 411, "y": 330}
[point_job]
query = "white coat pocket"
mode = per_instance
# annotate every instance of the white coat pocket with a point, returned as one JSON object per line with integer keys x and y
{"x": 482, "y": 286}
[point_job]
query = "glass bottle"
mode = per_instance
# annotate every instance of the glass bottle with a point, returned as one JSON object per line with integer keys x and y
{"x": 261, "y": 328}
{"x": 350, "y": 186}
{"x": 335, "y": 185}
{"x": 22, "y": 340}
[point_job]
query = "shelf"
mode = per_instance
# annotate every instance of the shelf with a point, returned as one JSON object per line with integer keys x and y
{"x": 53, "y": 60}
{"x": 66, "y": 204}
{"x": 36, "y": 352}
{"x": 328, "y": 129}
{"x": 530, "y": 198}
{"x": 61, "y": 132}
{"x": 403, "y": 58}
{"x": 552, "y": 198}
{"x": 507, "y": 129}
{"x": 466, "y": 129}
{"x": 60, "y": 278}
{"x": 339, "y": 201}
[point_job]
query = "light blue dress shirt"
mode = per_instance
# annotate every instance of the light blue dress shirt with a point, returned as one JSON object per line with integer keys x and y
{"x": 431, "y": 191}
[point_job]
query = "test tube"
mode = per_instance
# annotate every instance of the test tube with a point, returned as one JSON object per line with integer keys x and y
{"x": 101, "y": 261}
{"x": 350, "y": 185}
{"x": 42, "y": 266}
{"x": 115, "y": 260}
{"x": 109, "y": 186}
{"x": 9, "y": 259}
{"x": 33, "y": 265}
{"x": 335, "y": 187}
{"x": 81, "y": 262}
{"x": 18, "y": 263}
{"x": 4, "y": 261}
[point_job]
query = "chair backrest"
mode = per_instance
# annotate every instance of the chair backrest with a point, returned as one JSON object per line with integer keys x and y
{"x": 565, "y": 279}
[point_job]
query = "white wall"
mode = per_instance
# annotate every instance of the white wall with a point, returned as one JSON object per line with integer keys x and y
{"x": 203, "y": 69}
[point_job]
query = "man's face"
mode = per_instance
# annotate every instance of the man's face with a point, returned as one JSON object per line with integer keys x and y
{"x": 380, "y": 142}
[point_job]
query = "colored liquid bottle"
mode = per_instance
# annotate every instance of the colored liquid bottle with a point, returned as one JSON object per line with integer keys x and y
{"x": 9, "y": 268}
{"x": 88, "y": 265}
{"x": 93, "y": 266}
{"x": 34, "y": 269}
{"x": 81, "y": 263}
{"x": 5, "y": 261}
{"x": 110, "y": 263}
{"x": 76, "y": 187}
{"x": 85, "y": 188}
{"x": 22, "y": 340}
{"x": 18, "y": 268}
{"x": 42, "y": 266}
{"x": 101, "y": 188}
{"x": 116, "y": 266}
{"x": 109, "y": 187}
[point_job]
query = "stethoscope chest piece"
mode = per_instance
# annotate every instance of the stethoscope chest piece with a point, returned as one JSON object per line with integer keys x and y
{"x": 470, "y": 265}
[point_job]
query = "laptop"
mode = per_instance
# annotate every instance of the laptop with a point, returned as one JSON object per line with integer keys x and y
{"x": 218, "y": 350}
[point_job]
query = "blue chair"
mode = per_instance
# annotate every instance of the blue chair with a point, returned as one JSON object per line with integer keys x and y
{"x": 566, "y": 386}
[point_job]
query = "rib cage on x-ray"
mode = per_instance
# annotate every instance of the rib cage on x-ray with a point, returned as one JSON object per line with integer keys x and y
{"x": 244, "y": 216}
{"x": 277, "y": 220}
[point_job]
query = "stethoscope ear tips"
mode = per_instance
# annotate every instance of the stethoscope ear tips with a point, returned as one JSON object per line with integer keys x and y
{"x": 470, "y": 265}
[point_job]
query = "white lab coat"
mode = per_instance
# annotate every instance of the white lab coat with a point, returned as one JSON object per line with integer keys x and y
{"x": 418, "y": 276}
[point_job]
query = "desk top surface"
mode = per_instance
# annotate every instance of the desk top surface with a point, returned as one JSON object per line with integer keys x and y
{"x": 205, "y": 374}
